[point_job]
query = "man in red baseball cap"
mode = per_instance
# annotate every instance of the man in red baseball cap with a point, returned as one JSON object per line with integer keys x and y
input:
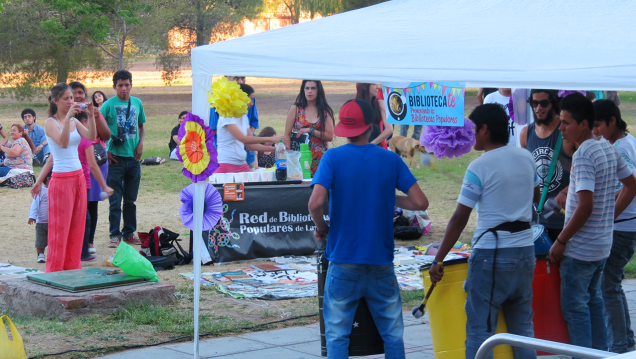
{"x": 362, "y": 179}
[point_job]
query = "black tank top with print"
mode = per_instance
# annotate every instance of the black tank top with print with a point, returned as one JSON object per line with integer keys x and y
{"x": 542, "y": 150}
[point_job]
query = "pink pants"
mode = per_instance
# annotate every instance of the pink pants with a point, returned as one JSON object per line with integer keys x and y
{"x": 67, "y": 219}
{"x": 228, "y": 168}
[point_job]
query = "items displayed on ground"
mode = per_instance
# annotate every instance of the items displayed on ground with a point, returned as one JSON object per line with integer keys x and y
{"x": 10, "y": 271}
{"x": 296, "y": 277}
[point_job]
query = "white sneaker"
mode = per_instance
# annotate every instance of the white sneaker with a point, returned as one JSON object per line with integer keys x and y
{"x": 41, "y": 258}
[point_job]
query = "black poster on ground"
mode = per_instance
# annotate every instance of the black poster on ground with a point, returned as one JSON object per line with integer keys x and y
{"x": 271, "y": 221}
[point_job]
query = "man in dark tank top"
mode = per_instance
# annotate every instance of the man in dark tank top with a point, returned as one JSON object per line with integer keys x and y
{"x": 540, "y": 139}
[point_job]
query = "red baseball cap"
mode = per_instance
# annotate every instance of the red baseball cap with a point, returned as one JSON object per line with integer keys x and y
{"x": 352, "y": 118}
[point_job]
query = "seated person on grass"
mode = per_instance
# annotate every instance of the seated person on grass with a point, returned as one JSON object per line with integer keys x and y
{"x": 174, "y": 137}
{"x": 18, "y": 155}
{"x": 36, "y": 132}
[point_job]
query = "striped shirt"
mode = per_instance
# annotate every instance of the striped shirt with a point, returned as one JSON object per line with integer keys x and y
{"x": 595, "y": 167}
{"x": 501, "y": 184}
{"x": 40, "y": 207}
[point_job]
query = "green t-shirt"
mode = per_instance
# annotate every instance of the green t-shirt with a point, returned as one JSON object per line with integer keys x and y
{"x": 114, "y": 112}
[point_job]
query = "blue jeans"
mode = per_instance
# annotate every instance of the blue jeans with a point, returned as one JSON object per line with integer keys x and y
{"x": 582, "y": 302}
{"x": 40, "y": 156}
{"x": 123, "y": 177}
{"x": 514, "y": 271}
{"x": 619, "y": 327}
{"x": 345, "y": 285}
{"x": 417, "y": 131}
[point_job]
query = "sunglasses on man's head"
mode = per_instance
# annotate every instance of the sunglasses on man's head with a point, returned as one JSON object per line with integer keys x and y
{"x": 542, "y": 103}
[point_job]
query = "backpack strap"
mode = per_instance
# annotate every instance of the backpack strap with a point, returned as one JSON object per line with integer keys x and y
{"x": 548, "y": 179}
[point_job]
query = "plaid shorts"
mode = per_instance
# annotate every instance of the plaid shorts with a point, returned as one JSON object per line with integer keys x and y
{"x": 41, "y": 235}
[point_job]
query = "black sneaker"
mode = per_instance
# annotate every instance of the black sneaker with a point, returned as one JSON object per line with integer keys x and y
{"x": 89, "y": 258}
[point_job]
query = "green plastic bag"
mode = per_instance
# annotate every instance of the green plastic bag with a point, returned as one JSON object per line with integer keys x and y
{"x": 133, "y": 263}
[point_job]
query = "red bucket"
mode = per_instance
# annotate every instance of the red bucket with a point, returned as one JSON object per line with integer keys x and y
{"x": 546, "y": 304}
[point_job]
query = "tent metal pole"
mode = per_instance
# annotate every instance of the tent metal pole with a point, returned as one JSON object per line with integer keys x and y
{"x": 199, "y": 190}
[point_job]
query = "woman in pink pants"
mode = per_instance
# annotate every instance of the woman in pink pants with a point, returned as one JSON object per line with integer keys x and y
{"x": 67, "y": 190}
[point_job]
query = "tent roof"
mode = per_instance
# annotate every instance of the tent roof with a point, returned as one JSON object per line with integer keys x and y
{"x": 565, "y": 44}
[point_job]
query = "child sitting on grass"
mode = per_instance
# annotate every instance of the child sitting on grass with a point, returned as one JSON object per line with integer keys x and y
{"x": 266, "y": 159}
{"x": 39, "y": 214}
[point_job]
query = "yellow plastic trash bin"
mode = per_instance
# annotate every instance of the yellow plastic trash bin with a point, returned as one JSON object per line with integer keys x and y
{"x": 447, "y": 316}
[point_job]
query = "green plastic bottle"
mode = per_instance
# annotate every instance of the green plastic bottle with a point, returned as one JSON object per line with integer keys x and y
{"x": 305, "y": 160}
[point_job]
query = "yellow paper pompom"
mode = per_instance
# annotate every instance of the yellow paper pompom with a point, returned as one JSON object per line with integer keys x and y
{"x": 228, "y": 99}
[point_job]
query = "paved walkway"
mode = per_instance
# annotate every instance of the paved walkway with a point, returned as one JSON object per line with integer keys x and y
{"x": 301, "y": 342}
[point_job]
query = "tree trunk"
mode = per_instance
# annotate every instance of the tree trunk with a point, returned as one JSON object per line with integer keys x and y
{"x": 122, "y": 46}
{"x": 62, "y": 63}
{"x": 202, "y": 33}
{"x": 294, "y": 10}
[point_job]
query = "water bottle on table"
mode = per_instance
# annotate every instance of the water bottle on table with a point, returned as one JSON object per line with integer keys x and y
{"x": 305, "y": 160}
{"x": 281, "y": 162}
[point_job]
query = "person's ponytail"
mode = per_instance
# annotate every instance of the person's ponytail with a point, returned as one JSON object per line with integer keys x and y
{"x": 56, "y": 93}
{"x": 52, "y": 107}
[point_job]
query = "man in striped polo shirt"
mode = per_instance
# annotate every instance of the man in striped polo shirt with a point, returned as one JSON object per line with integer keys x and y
{"x": 586, "y": 240}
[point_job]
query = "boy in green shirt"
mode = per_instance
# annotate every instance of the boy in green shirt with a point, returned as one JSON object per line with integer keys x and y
{"x": 125, "y": 117}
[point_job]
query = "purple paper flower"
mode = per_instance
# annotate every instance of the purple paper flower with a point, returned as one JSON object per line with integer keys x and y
{"x": 447, "y": 141}
{"x": 212, "y": 207}
{"x": 198, "y": 167}
{"x": 563, "y": 93}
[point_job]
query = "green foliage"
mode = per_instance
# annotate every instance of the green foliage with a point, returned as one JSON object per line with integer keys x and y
{"x": 31, "y": 60}
{"x": 204, "y": 17}
{"x": 321, "y": 7}
{"x": 2, "y": 4}
{"x": 105, "y": 24}
{"x": 170, "y": 64}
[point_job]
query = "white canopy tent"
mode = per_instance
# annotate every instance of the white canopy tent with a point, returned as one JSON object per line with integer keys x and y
{"x": 563, "y": 44}
{"x": 555, "y": 44}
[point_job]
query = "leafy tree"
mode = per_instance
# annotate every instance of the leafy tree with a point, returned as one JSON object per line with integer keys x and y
{"x": 205, "y": 17}
{"x": 105, "y": 24}
{"x": 321, "y": 7}
{"x": 32, "y": 60}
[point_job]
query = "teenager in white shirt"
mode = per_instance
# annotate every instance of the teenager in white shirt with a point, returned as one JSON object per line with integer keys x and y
{"x": 609, "y": 124}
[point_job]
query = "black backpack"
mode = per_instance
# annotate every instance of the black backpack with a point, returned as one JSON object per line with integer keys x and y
{"x": 162, "y": 242}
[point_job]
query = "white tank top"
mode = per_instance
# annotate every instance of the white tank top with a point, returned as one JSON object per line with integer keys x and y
{"x": 65, "y": 159}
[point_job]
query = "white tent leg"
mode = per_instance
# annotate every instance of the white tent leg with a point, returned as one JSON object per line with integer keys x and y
{"x": 199, "y": 190}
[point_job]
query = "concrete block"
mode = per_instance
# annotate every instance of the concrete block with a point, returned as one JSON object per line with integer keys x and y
{"x": 100, "y": 297}
{"x": 73, "y": 302}
{"x": 25, "y": 298}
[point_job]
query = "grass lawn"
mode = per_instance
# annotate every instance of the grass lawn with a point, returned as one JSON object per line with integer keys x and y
{"x": 158, "y": 205}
